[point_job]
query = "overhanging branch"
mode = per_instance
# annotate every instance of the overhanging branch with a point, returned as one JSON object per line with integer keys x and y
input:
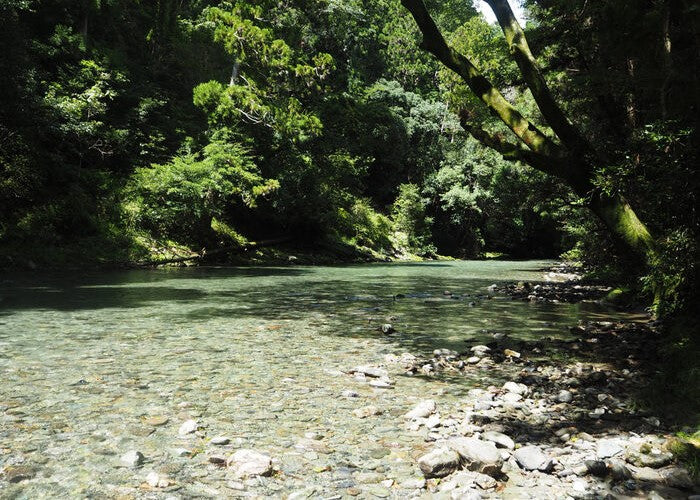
{"x": 513, "y": 152}
{"x": 522, "y": 54}
{"x": 434, "y": 42}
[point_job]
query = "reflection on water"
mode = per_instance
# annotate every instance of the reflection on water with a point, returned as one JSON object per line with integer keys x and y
{"x": 250, "y": 352}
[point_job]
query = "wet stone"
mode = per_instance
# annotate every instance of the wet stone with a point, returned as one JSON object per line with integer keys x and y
{"x": 18, "y": 473}
{"x": 132, "y": 458}
{"x": 188, "y": 427}
{"x": 439, "y": 463}
{"x": 156, "y": 421}
{"x": 367, "y": 411}
{"x": 422, "y": 409}
{"x": 246, "y": 463}
{"x": 220, "y": 440}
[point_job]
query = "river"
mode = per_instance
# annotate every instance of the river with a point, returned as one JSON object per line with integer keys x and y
{"x": 98, "y": 364}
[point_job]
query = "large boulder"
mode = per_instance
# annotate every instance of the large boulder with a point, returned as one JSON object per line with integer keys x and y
{"x": 532, "y": 458}
{"x": 500, "y": 439}
{"x": 480, "y": 456}
{"x": 440, "y": 462}
{"x": 422, "y": 410}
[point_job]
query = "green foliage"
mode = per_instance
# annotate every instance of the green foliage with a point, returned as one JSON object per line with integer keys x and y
{"x": 182, "y": 199}
{"x": 411, "y": 221}
{"x": 363, "y": 226}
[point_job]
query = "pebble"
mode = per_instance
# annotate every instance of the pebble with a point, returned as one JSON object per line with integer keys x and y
{"x": 511, "y": 397}
{"x": 387, "y": 328}
{"x": 677, "y": 477}
{"x": 249, "y": 463}
{"x": 565, "y": 396}
{"x": 156, "y": 421}
{"x": 371, "y": 371}
{"x": 188, "y": 427}
{"x": 432, "y": 421}
{"x": 618, "y": 470}
{"x": 480, "y": 350}
{"x": 413, "y": 484}
{"x": 596, "y": 467}
{"x": 157, "y": 481}
{"x": 367, "y": 411}
{"x": 220, "y": 440}
{"x": 132, "y": 458}
{"x": 382, "y": 383}
{"x": 18, "y": 473}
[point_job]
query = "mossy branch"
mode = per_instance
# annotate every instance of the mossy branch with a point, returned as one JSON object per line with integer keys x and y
{"x": 434, "y": 42}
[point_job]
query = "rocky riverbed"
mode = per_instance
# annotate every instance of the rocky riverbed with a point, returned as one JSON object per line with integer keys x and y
{"x": 187, "y": 413}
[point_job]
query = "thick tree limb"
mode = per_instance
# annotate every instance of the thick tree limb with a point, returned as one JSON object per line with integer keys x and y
{"x": 434, "y": 42}
{"x": 573, "y": 162}
{"x": 523, "y": 57}
{"x": 513, "y": 152}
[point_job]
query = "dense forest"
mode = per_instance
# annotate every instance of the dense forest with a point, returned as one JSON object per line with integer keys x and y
{"x": 136, "y": 131}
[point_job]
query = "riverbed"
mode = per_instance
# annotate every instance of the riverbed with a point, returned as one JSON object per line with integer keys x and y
{"x": 97, "y": 365}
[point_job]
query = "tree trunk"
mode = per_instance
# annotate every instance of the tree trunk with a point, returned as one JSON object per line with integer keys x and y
{"x": 573, "y": 160}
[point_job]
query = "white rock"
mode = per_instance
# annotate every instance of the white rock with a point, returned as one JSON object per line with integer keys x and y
{"x": 422, "y": 409}
{"x": 532, "y": 458}
{"x": 480, "y": 350}
{"x": 432, "y": 421}
{"x": 608, "y": 448}
{"x": 579, "y": 485}
{"x": 371, "y": 371}
{"x": 220, "y": 440}
{"x": 382, "y": 383}
{"x": 367, "y": 411}
{"x": 472, "y": 360}
{"x": 440, "y": 462}
{"x": 236, "y": 485}
{"x": 564, "y": 396}
{"x": 132, "y": 458}
{"x": 479, "y": 456}
{"x": 249, "y": 463}
{"x": 413, "y": 484}
{"x": 188, "y": 427}
{"x": 500, "y": 439}
{"x": 511, "y": 397}
{"x": 516, "y": 388}
{"x": 349, "y": 394}
{"x": 157, "y": 481}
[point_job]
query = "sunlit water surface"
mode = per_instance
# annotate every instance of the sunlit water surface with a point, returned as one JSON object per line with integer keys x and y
{"x": 251, "y": 353}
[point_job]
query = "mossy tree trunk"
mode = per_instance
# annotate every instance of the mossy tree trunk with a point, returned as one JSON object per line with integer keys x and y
{"x": 569, "y": 156}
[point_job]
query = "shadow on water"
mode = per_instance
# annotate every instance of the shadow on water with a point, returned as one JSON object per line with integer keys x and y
{"x": 125, "y": 289}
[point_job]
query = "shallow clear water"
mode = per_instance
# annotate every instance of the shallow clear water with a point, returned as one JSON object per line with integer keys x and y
{"x": 251, "y": 353}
